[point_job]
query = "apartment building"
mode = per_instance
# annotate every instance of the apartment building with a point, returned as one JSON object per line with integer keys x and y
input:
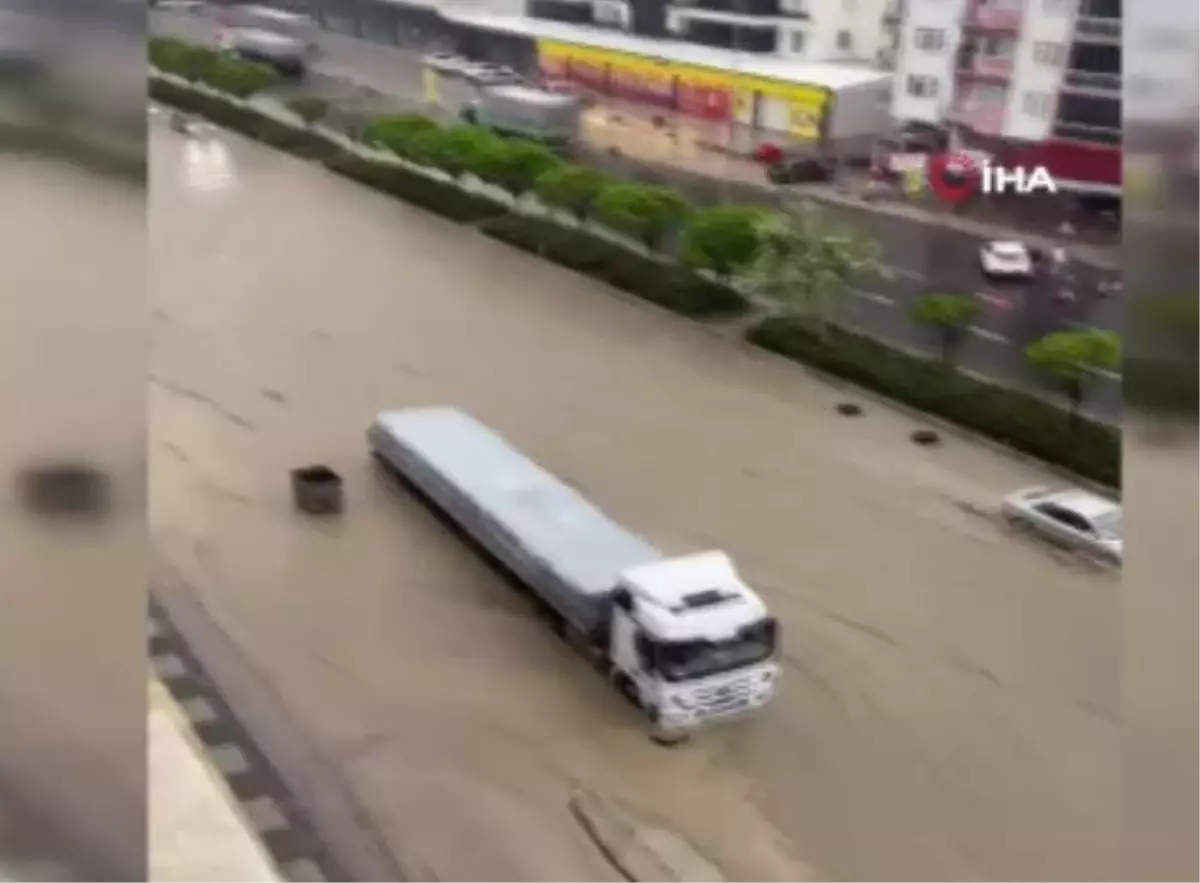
{"x": 1037, "y": 82}
{"x": 804, "y": 30}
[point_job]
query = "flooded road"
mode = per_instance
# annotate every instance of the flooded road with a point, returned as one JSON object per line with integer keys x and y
{"x": 949, "y": 703}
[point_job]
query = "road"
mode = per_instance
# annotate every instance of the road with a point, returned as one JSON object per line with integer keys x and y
{"x": 950, "y": 702}
{"x": 920, "y": 257}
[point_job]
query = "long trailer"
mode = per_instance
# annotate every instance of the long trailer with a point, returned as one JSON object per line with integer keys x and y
{"x": 684, "y": 637}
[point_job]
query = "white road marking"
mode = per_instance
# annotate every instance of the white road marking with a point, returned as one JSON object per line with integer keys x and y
{"x": 903, "y": 273}
{"x": 991, "y": 336}
{"x": 874, "y": 297}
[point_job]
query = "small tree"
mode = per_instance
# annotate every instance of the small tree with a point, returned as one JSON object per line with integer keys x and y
{"x": 949, "y": 316}
{"x": 573, "y": 189}
{"x": 647, "y": 214}
{"x": 309, "y": 108}
{"x": 460, "y": 149}
{"x": 240, "y": 78}
{"x": 1070, "y": 360}
{"x": 514, "y": 166}
{"x": 402, "y": 134}
{"x": 723, "y": 239}
{"x": 805, "y": 264}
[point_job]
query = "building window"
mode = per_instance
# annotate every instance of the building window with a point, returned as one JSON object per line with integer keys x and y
{"x": 1050, "y": 54}
{"x": 921, "y": 87}
{"x": 797, "y": 41}
{"x": 1038, "y": 104}
{"x": 929, "y": 39}
{"x": 845, "y": 41}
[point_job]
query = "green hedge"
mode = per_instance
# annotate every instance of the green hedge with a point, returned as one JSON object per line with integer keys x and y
{"x": 1022, "y": 421}
{"x": 442, "y": 198}
{"x": 667, "y": 285}
{"x": 249, "y": 122}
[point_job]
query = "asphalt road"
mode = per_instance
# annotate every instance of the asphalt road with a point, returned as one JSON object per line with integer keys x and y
{"x": 920, "y": 257}
{"x": 949, "y": 708}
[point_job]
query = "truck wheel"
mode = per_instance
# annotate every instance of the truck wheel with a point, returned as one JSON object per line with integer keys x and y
{"x": 674, "y": 740}
{"x": 626, "y": 688}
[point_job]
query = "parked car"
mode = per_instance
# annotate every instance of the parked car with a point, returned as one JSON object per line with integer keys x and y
{"x": 446, "y": 63}
{"x": 1078, "y": 519}
{"x": 1006, "y": 260}
{"x": 800, "y": 170}
{"x": 489, "y": 74}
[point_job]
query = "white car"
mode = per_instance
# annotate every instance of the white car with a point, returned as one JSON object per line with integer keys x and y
{"x": 1076, "y": 518}
{"x": 488, "y": 74}
{"x": 446, "y": 63}
{"x": 1006, "y": 260}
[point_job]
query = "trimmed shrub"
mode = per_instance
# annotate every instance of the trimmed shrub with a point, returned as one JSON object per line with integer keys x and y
{"x": 438, "y": 197}
{"x": 571, "y": 189}
{"x": 514, "y": 166}
{"x": 249, "y": 122}
{"x": 459, "y": 149}
{"x": 408, "y": 135}
{"x": 667, "y": 285}
{"x": 722, "y": 239}
{"x": 645, "y": 214}
{"x": 1017, "y": 419}
{"x": 310, "y": 108}
{"x": 200, "y": 64}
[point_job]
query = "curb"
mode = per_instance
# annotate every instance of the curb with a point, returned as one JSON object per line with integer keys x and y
{"x": 265, "y": 800}
{"x": 713, "y": 329}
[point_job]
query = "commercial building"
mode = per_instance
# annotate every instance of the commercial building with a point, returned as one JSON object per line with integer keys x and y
{"x": 1035, "y": 82}
{"x": 808, "y": 30}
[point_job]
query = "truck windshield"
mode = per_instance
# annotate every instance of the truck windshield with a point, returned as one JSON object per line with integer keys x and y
{"x": 687, "y": 660}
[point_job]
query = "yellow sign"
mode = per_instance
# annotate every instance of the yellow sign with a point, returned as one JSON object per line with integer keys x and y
{"x": 430, "y": 85}
{"x": 804, "y": 121}
{"x": 914, "y": 181}
{"x": 812, "y": 98}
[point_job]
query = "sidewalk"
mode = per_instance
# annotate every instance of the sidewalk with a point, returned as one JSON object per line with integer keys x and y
{"x": 649, "y": 135}
{"x": 351, "y": 69}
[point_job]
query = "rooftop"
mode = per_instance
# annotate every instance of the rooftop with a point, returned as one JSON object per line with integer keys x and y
{"x": 828, "y": 76}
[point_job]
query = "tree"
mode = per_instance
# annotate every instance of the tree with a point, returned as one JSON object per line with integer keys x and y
{"x": 949, "y": 315}
{"x": 723, "y": 239}
{"x": 1070, "y": 360}
{"x": 405, "y": 135}
{"x": 309, "y": 108}
{"x": 514, "y": 166}
{"x": 459, "y": 149}
{"x": 241, "y": 79}
{"x": 573, "y": 189}
{"x": 805, "y": 264}
{"x": 646, "y": 214}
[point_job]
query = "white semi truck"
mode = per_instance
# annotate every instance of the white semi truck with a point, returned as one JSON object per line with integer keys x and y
{"x": 684, "y": 638}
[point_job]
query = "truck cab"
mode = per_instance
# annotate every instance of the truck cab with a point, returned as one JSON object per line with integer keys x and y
{"x": 691, "y": 643}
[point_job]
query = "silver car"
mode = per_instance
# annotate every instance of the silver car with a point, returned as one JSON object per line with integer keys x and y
{"x": 1079, "y": 519}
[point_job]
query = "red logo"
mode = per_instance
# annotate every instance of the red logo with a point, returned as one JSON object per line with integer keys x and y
{"x": 954, "y": 176}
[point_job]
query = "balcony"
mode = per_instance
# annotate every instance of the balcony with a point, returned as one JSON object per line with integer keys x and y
{"x": 986, "y": 67}
{"x": 1088, "y": 134}
{"x": 748, "y": 8}
{"x": 1092, "y": 81}
{"x": 985, "y": 117}
{"x": 984, "y": 16}
{"x": 1100, "y": 30}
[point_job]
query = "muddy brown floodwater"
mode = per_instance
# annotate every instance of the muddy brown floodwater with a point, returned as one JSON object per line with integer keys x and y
{"x": 949, "y": 703}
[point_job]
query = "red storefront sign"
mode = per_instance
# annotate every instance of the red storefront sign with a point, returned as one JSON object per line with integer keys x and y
{"x": 704, "y": 101}
{"x": 644, "y": 87}
{"x": 1068, "y": 161}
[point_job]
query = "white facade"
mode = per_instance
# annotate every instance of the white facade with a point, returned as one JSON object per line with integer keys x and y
{"x": 1002, "y": 80}
{"x": 833, "y": 30}
{"x": 1040, "y": 57}
{"x": 925, "y": 61}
